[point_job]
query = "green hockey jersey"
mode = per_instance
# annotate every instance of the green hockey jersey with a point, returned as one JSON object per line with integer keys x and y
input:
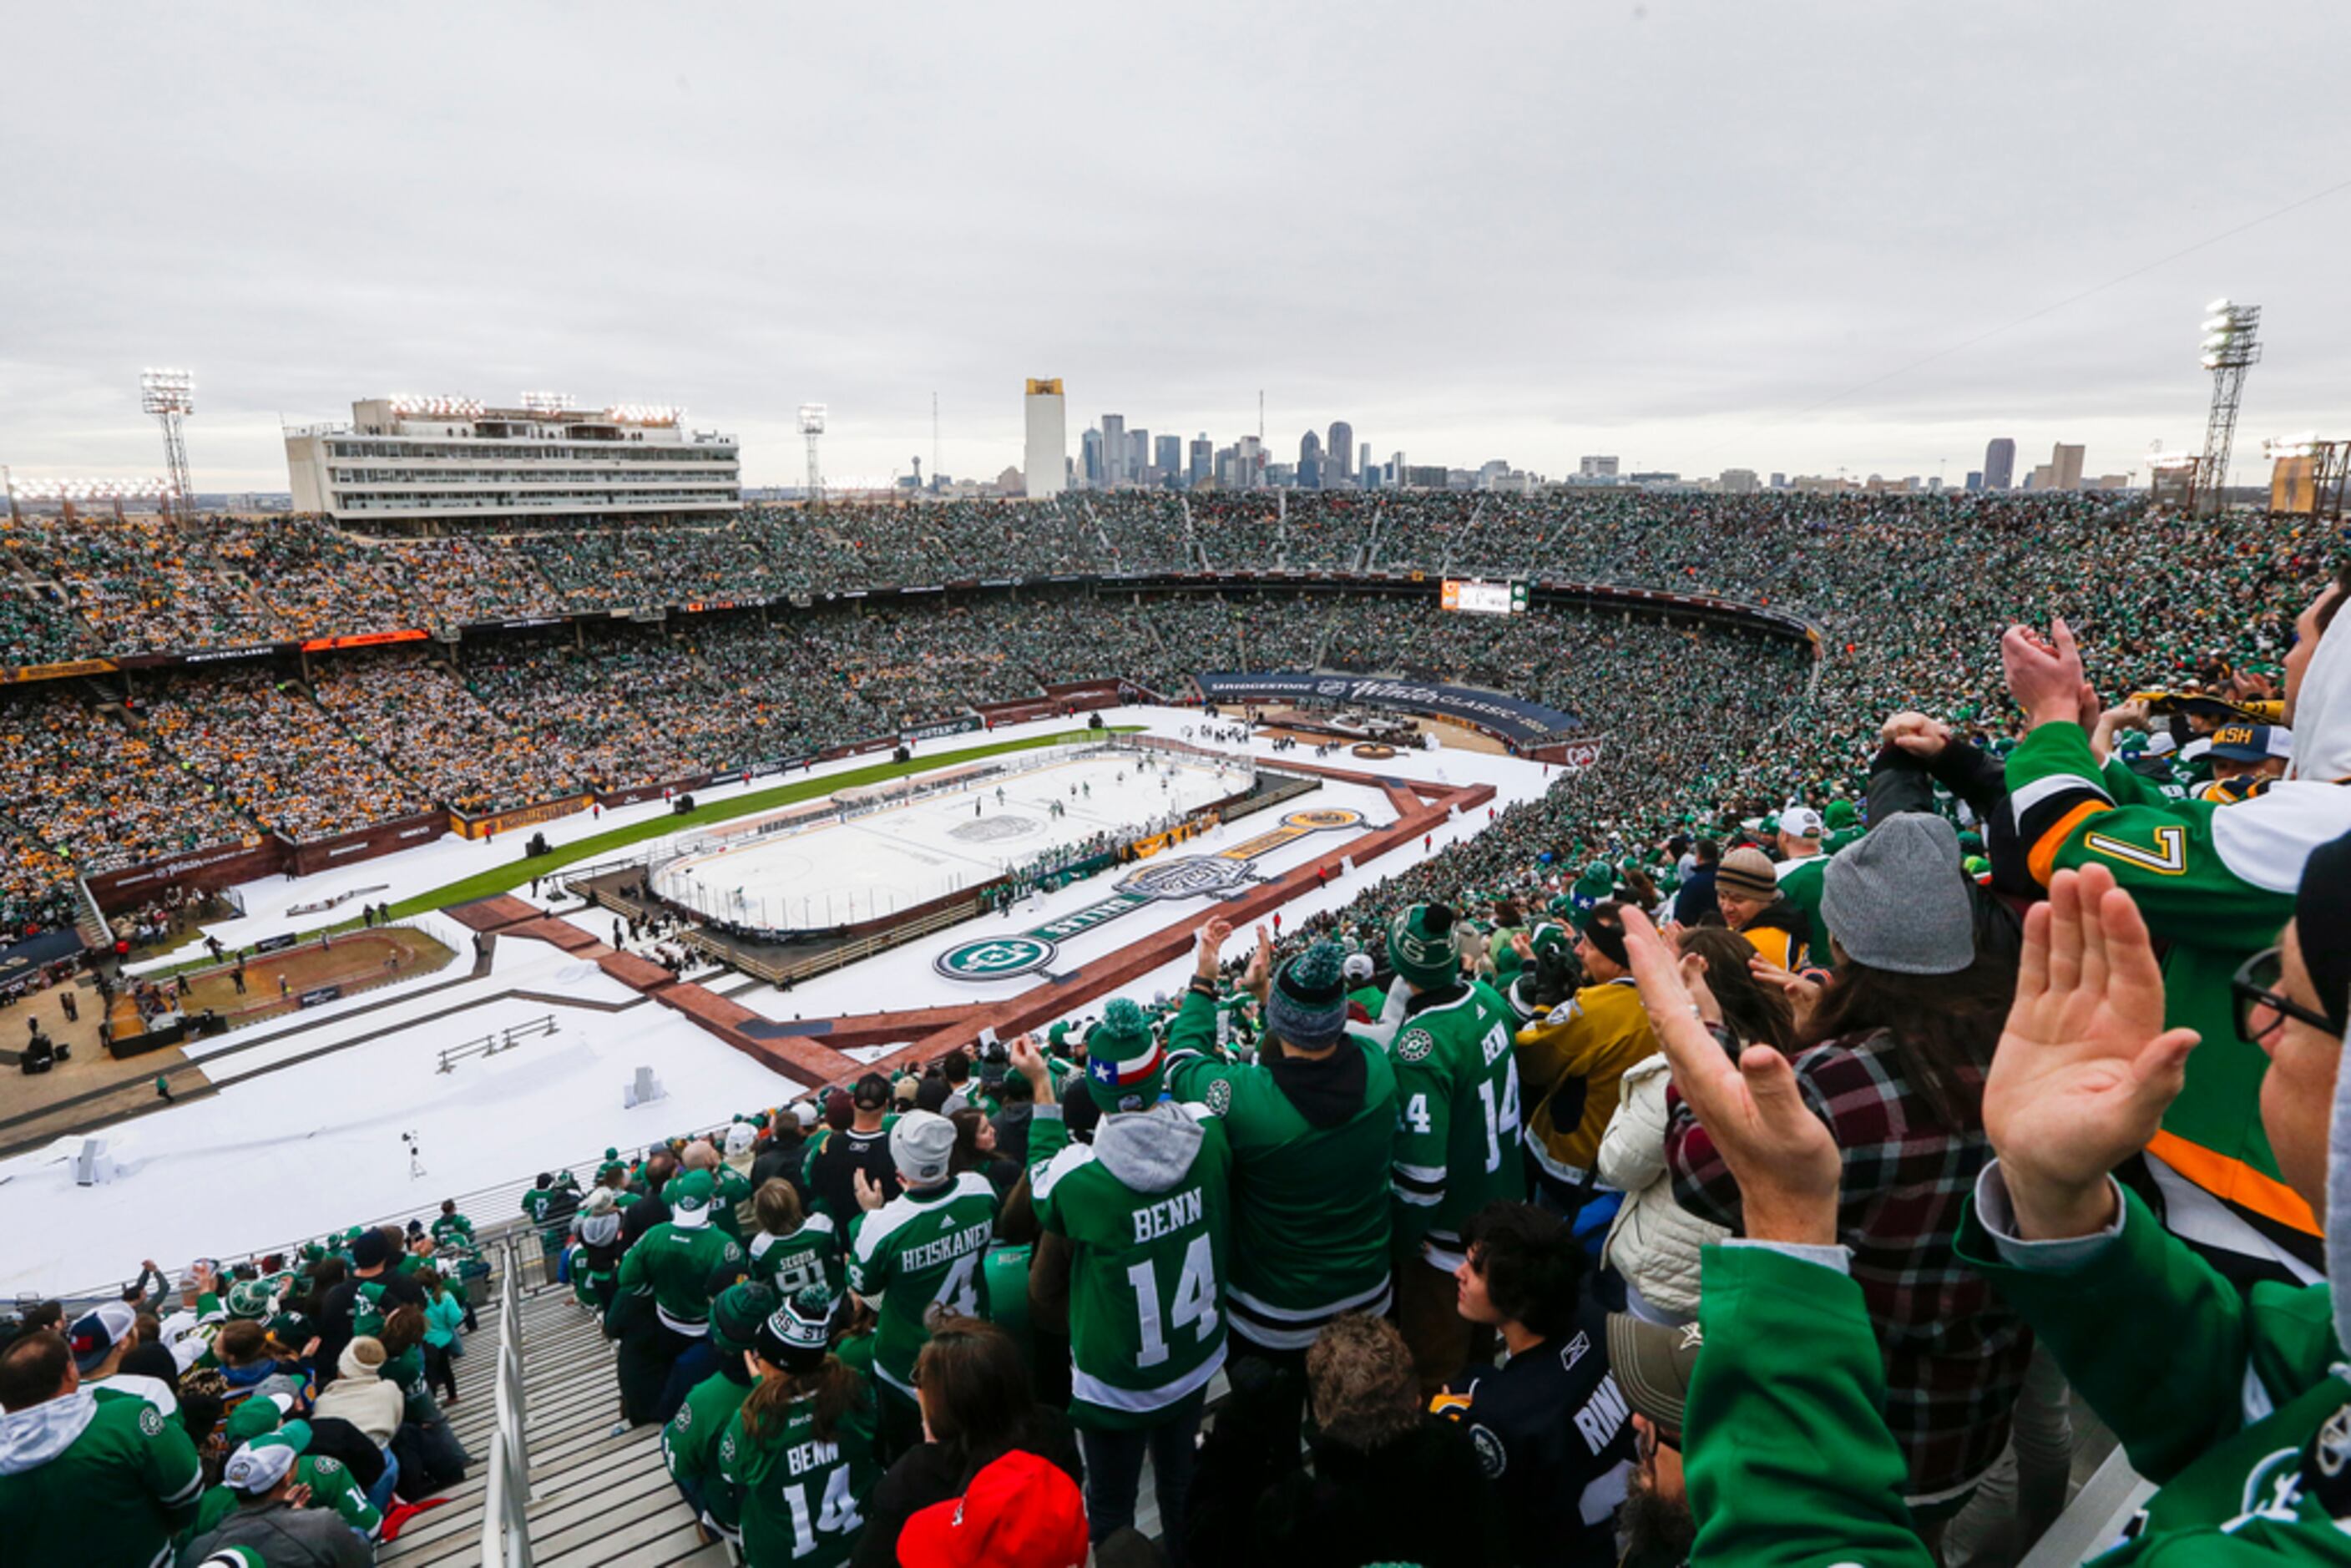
{"x": 920, "y": 1250}
{"x": 92, "y": 1480}
{"x": 1310, "y": 1224}
{"x": 1146, "y": 1209}
{"x": 673, "y": 1264}
{"x": 2216, "y": 883}
{"x": 794, "y": 1498}
{"x": 690, "y": 1442}
{"x": 1458, "y": 1118}
{"x": 809, "y": 1256}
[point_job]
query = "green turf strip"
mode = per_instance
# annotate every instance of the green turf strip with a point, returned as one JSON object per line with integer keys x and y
{"x": 514, "y": 873}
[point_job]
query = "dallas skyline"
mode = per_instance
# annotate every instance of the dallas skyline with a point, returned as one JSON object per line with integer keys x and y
{"x": 1694, "y": 236}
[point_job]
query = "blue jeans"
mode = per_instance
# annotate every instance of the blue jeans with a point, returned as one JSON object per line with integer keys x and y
{"x": 1115, "y": 1472}
{"x": 380, "y": 1495}
{"x": 696, "y": 1364}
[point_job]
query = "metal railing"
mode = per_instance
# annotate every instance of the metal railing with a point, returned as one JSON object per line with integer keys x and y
{"x": 491, "y": 1044}
{"x": 505, "y": 1503}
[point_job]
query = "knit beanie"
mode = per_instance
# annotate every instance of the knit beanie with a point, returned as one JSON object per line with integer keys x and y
{"x": 1421, "y": 947}
{"x": 2322, "y": 924}
{"x": 248, "y": 1299}
{"x": 1747, "y": 871}
{"x": 737, "y": 1313}
{"x": 1123, "y": 1062}
{"x": 1897, "y": 900}
{"x": 795, "y": 1336}
{"x": 1307, "y": 1005}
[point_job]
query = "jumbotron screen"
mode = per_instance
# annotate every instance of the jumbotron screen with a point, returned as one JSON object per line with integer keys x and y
{"x": 1479, "y": 597}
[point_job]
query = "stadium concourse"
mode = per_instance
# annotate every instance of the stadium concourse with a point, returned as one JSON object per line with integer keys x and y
{"x": 1425, "y": 1098}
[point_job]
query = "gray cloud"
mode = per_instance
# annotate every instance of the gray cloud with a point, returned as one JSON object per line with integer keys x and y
{"x": 1668, "y": 231}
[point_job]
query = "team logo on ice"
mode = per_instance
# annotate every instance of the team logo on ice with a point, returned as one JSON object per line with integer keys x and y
{"x": 1219, "y": 875}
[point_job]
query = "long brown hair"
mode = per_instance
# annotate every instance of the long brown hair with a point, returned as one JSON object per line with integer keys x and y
{"x": 835, "y": 1386}
{"x": 1944, "y": 1026}
{"x": 974, "y": 1390}
{"x": 1758, "y": 1015}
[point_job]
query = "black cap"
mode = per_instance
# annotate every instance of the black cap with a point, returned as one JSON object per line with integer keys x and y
{"x": 873, "y": 1093}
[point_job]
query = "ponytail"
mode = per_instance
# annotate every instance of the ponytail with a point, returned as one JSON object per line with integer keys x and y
{"x": 835, "y": 1386}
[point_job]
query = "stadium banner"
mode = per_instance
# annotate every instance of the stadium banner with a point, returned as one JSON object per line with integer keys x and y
{"x": 611, "y": 800}
{"x": 364, "y": 640}
{"x": 856, "y": 749}
{"x": 962, "y": 724}
{"x": 12, "y": 674}
{"x": 216, "y": 867}
{"x": 497, "y": 822}
{"x": 778, "y": 765}
{"x": 200, "y": 656}
{"x": 367, "y": 843}
{"x": 1088, "y": 693}
{"x": 994, "y": 713}
{"x": 1511, "y": 718}
{"x": 319, "y": 994}
{"x": 1575, "y": 755}
{"x": 19, "y": 961}
{"x": 278, "y": 943}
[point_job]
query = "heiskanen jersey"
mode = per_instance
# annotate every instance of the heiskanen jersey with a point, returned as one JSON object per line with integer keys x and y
{"x": 919, "y": 1250}
{"x": 1310, "y": 1222}
{"x": 1147, "y": 1286}
{"x": 1457, "y": 1138}
{"x": 793, "y": 1499}
{"x": 809, "y": 1256}
{"x": 2216, "y": 883}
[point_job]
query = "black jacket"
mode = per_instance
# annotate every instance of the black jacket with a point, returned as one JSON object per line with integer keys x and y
{"x": 1420, "y": 1498}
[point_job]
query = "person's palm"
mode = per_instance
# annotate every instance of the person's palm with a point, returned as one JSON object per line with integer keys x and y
{"x": 2084, "y": 1069}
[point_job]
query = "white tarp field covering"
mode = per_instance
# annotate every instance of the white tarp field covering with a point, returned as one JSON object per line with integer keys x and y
{"x": 835, "y": 872}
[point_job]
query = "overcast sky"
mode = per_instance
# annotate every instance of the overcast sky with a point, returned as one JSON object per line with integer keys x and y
{"x": 1682, "y": 233}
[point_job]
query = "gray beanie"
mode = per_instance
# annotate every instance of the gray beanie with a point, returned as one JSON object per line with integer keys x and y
{"x": 1896, "y": 900}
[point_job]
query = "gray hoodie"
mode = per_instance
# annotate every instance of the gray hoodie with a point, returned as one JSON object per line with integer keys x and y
{"x": 1150, "y": 1150}
{"x": 34, "y": 1435}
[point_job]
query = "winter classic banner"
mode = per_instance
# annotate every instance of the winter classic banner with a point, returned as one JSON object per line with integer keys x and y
{"x": 1513, "y": 718}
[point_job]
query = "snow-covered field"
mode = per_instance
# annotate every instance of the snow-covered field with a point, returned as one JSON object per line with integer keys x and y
{"x": 833, "y": 872}
{"x": 280, "y": 1155}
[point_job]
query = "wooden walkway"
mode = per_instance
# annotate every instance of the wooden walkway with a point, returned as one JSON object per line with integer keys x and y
{"x": 602, "y": 1501}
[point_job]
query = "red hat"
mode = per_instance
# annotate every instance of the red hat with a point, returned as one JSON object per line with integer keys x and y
{"x": 1021, "y": 1511}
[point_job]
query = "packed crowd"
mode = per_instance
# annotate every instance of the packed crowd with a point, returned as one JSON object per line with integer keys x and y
{"x": 422, "y": 723}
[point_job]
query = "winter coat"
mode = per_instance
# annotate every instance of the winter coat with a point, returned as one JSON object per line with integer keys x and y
{"x": 360, "y": 1396}
{"x": 1654, "y": 1242}
{"x": 288, "y": 1537}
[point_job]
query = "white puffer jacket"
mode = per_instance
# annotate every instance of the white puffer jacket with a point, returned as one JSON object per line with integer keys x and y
{"x": 1655, "y": 1242}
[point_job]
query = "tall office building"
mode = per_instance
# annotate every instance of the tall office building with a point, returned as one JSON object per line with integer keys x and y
{"x": 2000, "y": 464}
{"x": 1167, "y": 456}
{"x": 1090, "y": 459}
{"x": 1045, "y": 463}
{"x": 2064, "y": 467}
{"x": 1342, "y": 447}
{"x": 1138, "y": 453}
{"x": 1203, "y": 467}
{"x": 1596, "y": 468}
{"x": 1309, "y": 461}
{"x": 1113, "y": 443}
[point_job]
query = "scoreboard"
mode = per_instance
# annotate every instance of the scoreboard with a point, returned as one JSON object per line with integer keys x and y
{"x": 1478, "y": 597}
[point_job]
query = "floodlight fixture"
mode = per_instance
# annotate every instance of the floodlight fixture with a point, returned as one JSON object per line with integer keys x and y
{"x": 548, "y": 401}
{"x": 437, "y": 406}
{"x": 167, "y": 392}
{"x": 812, "y": 416}
{"x": 2218, "y": 306}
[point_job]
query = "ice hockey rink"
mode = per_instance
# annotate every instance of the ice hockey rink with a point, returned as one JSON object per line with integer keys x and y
{"x": 834, "y": 873}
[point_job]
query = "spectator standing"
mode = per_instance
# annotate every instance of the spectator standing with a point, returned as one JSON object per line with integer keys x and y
{"x": 1552, "y": 1429}
{"x": 1458, "y": 1133}
{"x": 86, "y": 1475}
{"x": 838, "y": 1158}
{"x": 670, "y": 1269}
{"x": 792, "y": 1250}
{"x": 1694, "y": 900}
{"x": 1144, "y": 1210}
{"x": 690, "y": 1442}
{"x": 1574, "y": 1058}
{"x": 1747, "y": 891}
{"x": 797, "y": 1462}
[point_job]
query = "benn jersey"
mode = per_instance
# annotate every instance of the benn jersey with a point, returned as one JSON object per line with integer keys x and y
{"x": 793, "y": 1498}
{"x": 1310, "y": 1222}
{"x": 1148, "y": 1272}
{"x": 917, "y": 1251}
{"x": 1456, "y": 1132}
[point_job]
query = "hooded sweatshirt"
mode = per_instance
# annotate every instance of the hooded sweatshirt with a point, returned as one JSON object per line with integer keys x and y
{"x": 2215, "y": 883}
{"x": 1148, "y": 1199}
{"x": 86, "y": 1479}
{"x": 361, "y": 1396}
{"x": 1312, "y": 1144}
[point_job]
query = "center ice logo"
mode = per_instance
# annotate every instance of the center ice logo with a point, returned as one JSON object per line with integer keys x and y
{"x": 1192, "y": 876}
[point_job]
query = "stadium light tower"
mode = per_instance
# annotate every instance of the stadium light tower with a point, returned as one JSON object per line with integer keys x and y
{"x": 2232, "y": 346}
{"x": 812, "y": 426}
{"x": 171, "y": 397}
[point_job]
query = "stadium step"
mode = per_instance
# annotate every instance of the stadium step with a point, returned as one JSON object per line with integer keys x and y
{"x": 599, "y": 1501}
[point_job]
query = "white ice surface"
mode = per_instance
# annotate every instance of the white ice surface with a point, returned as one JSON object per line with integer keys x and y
{"x": 314, "y": 1147}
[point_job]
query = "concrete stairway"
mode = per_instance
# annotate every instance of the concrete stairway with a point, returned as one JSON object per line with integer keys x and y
{"x": 601, "y": 1501}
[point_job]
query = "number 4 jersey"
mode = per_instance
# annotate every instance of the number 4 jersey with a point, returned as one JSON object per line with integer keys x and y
{"x": 1143, "y": 1207}
{"x": 919, "y": 1250}
{"x": 1456, "y": 1147}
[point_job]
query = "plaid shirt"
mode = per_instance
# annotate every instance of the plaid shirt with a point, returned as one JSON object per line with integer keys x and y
{"x": 1955, "y": 1355}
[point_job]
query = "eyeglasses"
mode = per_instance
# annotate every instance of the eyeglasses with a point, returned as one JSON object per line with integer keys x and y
{"x": 2261, "y": 1007}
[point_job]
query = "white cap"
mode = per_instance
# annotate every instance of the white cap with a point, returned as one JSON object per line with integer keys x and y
{"x": 1358, "y": 967}
{"x": 2159, "y": 744}
{"x": 1801, "y": 822}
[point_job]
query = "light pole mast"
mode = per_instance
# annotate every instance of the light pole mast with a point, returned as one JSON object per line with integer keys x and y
{"x": 170, "y": 396}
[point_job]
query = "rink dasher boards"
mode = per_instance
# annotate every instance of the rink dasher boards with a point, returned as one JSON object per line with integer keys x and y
{"x": 909, "y": 852}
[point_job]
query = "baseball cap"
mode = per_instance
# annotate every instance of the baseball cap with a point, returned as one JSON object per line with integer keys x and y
{"x": 260, "y": 1463}
{"x": 1801, "y": 822}
{"x": 2161, "y": 744}
{"x": 921, "y": 1144}
{"x": 96, "y": 1332}
{"x": 1653, "y": 1364}
{"x": 1021, "y": 1511}
{"x": 689, "y": 1197}
{"x": 2252, "y": 742}
{"x": 261, "y": 1414}
{"x": 1358, "y": 967}
{"x": 872, "y": 1093}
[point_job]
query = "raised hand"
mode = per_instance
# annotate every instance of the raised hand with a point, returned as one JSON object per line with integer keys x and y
{"x": 1803, "y": 993}
{"x": 1030, "y": 1062}
{"x": 1208, "y": 947}
{"x": 1780, "y": 1154}
{"x": 1915, "y": 734}
{"x": 2085, "y": 1069}
{"x": 2045, "y": 676}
